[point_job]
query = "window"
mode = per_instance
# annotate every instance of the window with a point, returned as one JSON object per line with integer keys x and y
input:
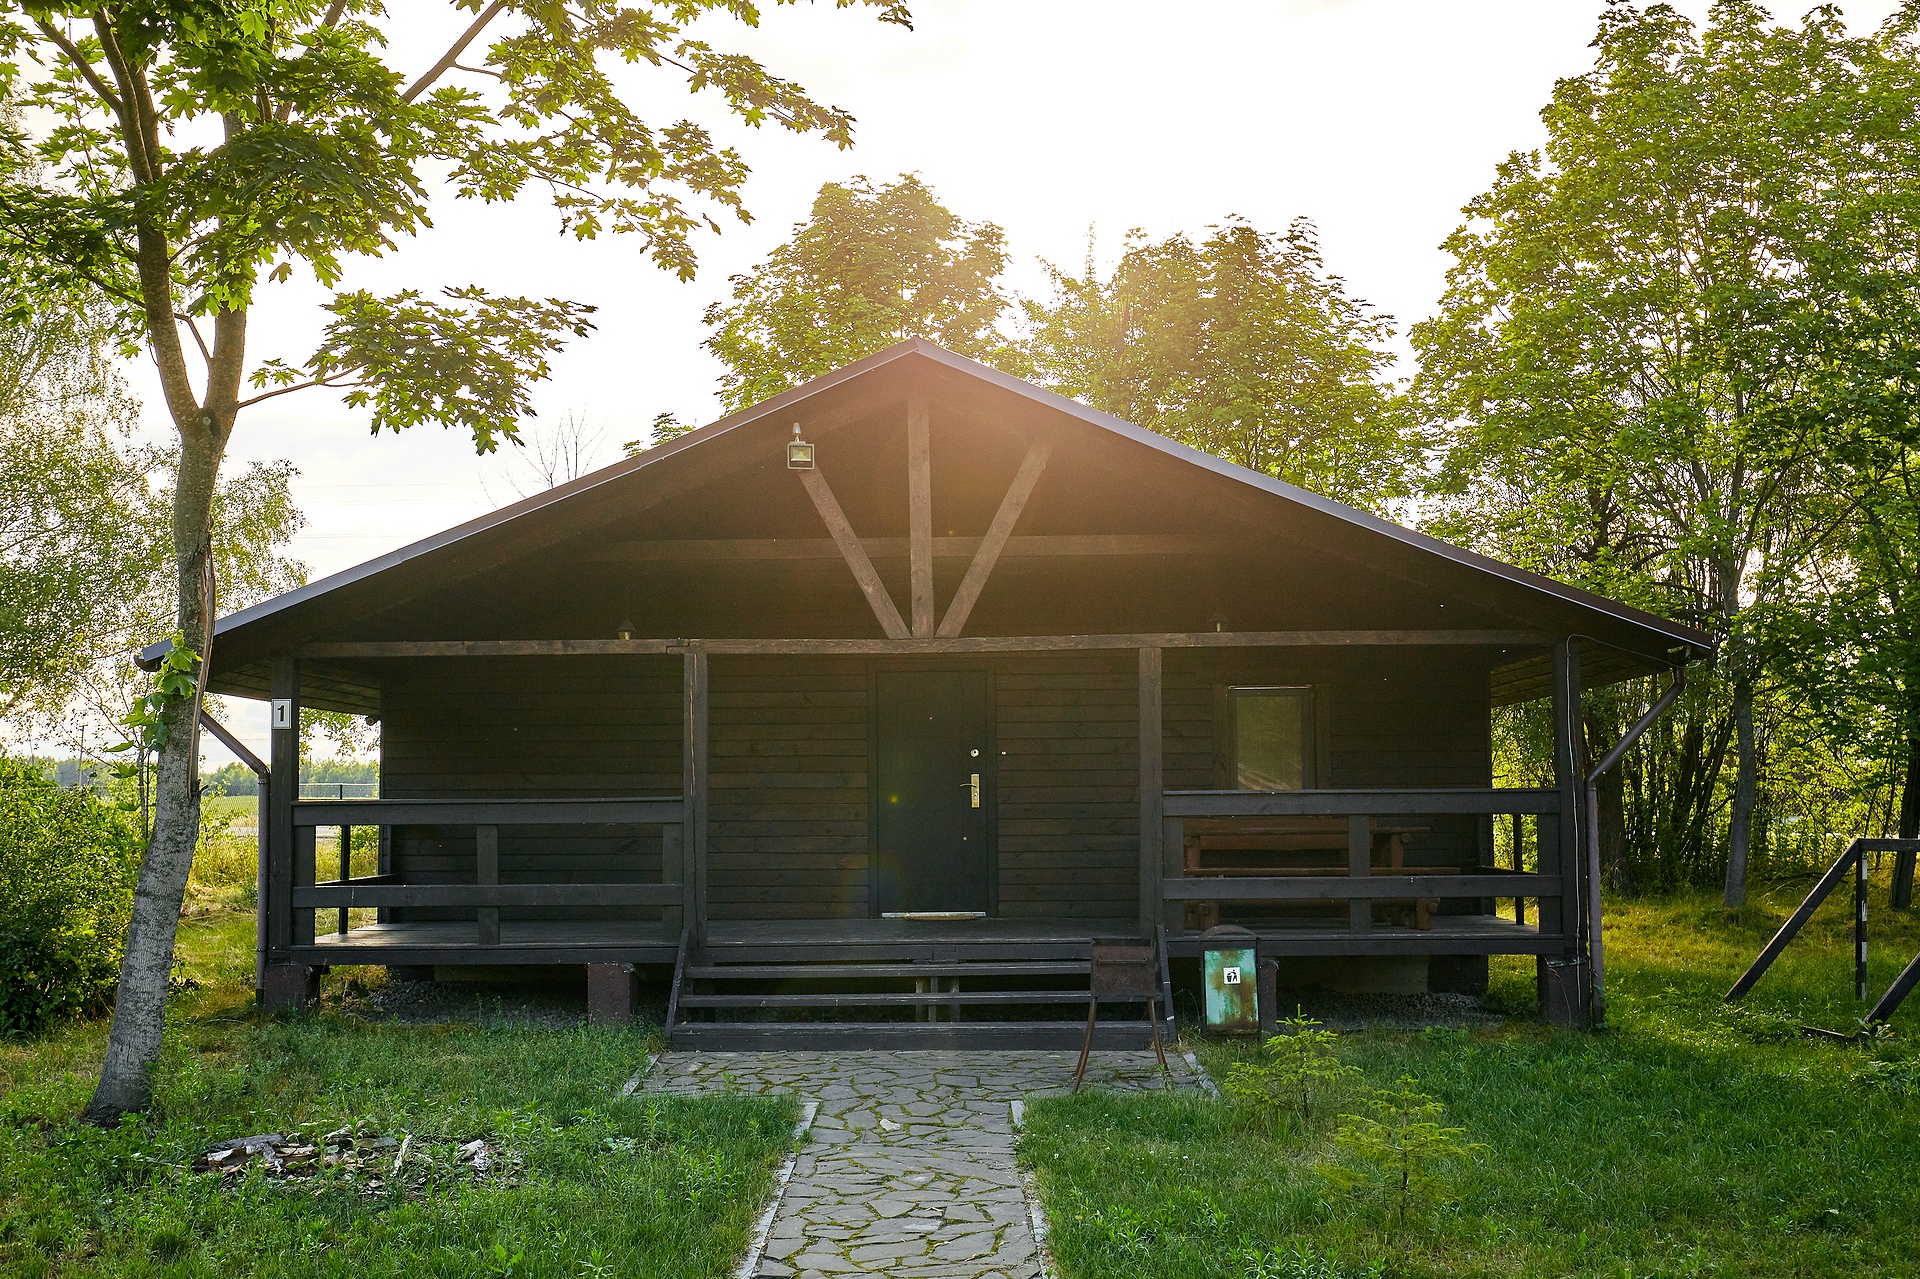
{"x": 1272, "y": 738}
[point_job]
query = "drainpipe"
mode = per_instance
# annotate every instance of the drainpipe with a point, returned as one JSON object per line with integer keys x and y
{"x": 1607, "y": 761}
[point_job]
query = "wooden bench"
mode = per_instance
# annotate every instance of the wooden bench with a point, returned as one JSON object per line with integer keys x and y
{"x": 1310, "y": 841}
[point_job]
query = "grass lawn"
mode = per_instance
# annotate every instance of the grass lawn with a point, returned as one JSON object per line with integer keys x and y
{"x": 1688, "y": 1138}
{"x": 594, "y": 1185}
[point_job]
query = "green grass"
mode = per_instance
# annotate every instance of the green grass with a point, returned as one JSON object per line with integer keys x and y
{"x": 607, "y": 1186}
{"x": 1688, "y": 1138}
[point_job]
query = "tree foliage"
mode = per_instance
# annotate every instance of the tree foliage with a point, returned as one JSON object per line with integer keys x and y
{"x": 85, "y": 530}
{"x": 182, "y": 156}
{"x": 871, "y": 266}
{"x": 1242, "y": 345}
{"x": 67, "y": 865}
{"x": 1677, "y": 350}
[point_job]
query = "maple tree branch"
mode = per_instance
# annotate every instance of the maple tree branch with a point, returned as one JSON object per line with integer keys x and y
{"x": 452, "y": 55}
{"x": 198, "y": 341}
{"x": 289, "y": 390}
{"x": 84, "y": 67}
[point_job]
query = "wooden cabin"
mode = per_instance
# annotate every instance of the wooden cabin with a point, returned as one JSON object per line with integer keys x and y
{"x": 863, "y": 711}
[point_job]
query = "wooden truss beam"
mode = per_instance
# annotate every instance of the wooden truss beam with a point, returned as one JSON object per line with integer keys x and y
{"x": 920, "y": 514}
{"x": 908, "y": 646}
{"x": 1058, "y": 546}
{"x": 996, "y": 539}
{"x": 855, "y": 555}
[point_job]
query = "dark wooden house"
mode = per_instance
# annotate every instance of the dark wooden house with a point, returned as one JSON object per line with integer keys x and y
{"x": 863, "y": 711}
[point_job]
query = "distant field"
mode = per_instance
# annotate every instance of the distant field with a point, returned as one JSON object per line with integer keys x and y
{"x": 245, "y": 806}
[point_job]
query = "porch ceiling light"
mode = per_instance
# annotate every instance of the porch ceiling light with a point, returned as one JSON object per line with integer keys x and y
{"x": 799, "y": 452}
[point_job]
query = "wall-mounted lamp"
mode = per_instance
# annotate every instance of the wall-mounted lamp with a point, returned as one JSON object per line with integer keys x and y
{"x": 799, "y": 452}
{"x": 624, "y": 630}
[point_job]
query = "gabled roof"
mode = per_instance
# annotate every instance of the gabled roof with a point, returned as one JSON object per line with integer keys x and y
{"x": 1651, "y": 642}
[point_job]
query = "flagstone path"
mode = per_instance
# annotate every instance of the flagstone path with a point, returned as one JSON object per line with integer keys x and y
{"x": 909, "y": 1166}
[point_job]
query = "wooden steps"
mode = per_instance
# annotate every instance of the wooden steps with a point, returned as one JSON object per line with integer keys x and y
{"x": 949, "y": 1036}
{"x": 848, "y": 1003}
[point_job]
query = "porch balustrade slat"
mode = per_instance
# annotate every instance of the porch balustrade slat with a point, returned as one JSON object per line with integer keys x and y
{"x": 325, "y": 896}
{"x": 635, "y": 811}
{"x": 1347, "y": 888}
{"x": 1352, "y": 803}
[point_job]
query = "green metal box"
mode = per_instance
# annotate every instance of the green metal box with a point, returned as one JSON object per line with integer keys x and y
{"x": 1232, "y": 982}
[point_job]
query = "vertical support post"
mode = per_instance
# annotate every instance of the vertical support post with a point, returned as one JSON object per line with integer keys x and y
{"x": 486, "y": 870}
{"x": 920, "y": 513}
{"x": 1564, "y": 979}
{"x": 283, "y": 757}
{"x": 1359, "y": 866}
{"x": 696, "y": 676}
{"x": 1860, "y": 863}
{"x": 672, "y": 871}
{"x": 346, "y": 871}
{"x": 1152, "y": 788}
{"x": 1596, "y": 935}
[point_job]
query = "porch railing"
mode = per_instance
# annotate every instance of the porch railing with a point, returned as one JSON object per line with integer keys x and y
{"x": 486, "y": 895}
{"x": 1365, "y": 883}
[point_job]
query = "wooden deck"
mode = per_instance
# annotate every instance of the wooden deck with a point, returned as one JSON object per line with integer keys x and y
{"x": 822, "y": 940}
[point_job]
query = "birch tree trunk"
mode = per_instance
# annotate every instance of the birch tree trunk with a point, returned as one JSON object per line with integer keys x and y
{"x": 140, "y": 1004}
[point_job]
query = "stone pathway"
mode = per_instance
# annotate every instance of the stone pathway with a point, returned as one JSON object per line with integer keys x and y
{"x": 909, "y": 1168}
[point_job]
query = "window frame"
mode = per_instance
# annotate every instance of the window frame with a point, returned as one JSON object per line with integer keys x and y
{"x": 1307, "y": 695}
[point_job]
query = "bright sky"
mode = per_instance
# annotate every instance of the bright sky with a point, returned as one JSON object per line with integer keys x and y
{"x": 1376, "y": 118}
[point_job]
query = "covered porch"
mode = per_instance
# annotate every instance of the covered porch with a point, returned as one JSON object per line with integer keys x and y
{"x": 1314, "y": 871}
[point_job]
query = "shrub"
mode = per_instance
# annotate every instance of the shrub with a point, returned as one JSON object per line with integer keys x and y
{"x": 1400, "y": 1145}
{"x": 68, "y": 861}
{"x": 1289, "y": 1069}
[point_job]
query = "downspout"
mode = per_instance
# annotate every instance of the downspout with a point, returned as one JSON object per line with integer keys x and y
{"x": 1607, "y": 761}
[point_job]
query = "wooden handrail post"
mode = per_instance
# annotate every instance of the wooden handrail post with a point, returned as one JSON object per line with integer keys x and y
{"x": 1359, "y": 866}
{"x": 486, "y": 870}
{"x": 346, "y": 871}
{"x": 672, "y": 871}
{"x": 1173, "y": 865}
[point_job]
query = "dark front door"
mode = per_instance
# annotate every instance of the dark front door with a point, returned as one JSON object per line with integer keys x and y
{"x": 931, "y": 792}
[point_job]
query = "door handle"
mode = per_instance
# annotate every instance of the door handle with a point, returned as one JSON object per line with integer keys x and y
{"x": 974, "y": 783}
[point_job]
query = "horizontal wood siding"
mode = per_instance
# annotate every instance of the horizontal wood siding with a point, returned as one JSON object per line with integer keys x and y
{"x": 532, "y": 728}
{"x": 789, "y": 816}
{"x": 1069, "y": 784}
{"x": 787, "y": 810}
{"x": 1392, "y": 717}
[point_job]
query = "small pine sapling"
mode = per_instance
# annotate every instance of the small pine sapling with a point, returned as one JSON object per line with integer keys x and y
{"x": 1290, "y": 1068}
{"x": 1401, "y": 1142}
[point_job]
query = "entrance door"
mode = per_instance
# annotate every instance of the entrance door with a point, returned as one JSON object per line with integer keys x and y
{"x": 932, "y": 786}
